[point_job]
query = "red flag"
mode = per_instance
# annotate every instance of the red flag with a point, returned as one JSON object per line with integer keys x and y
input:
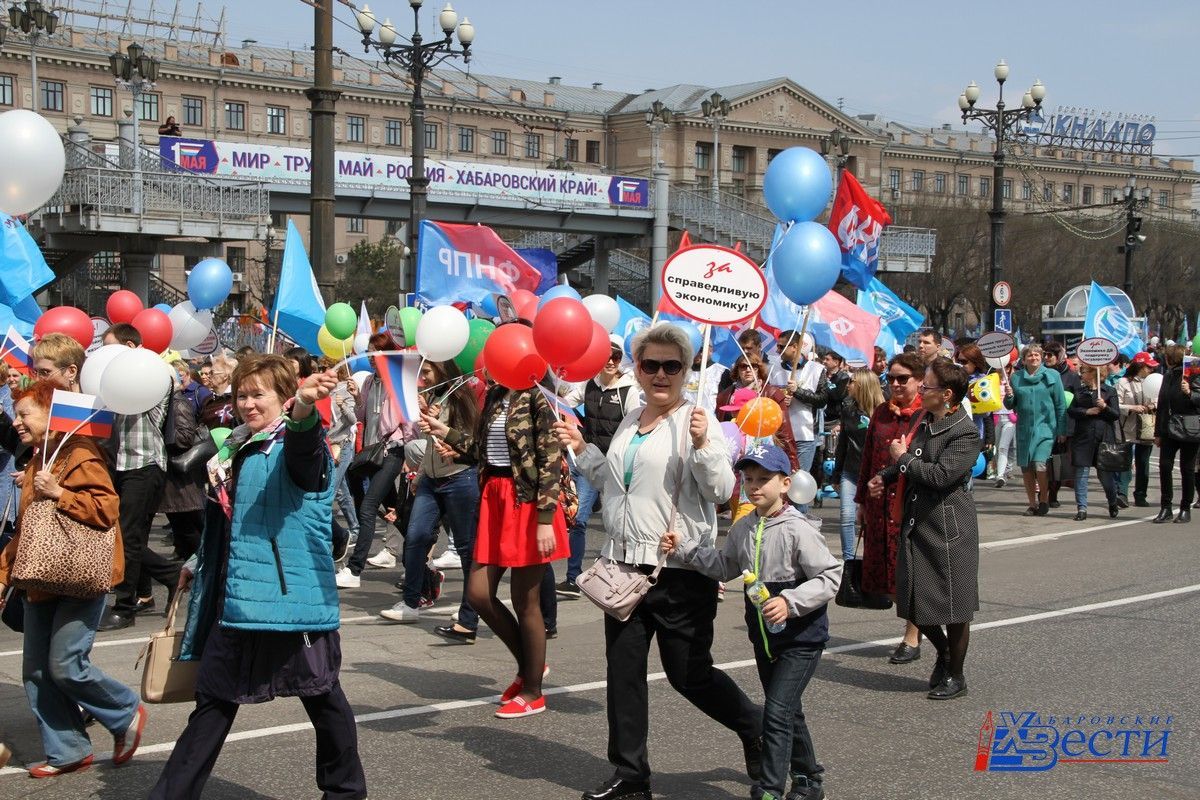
{"x": 665, "y": 305}
{"x": 857, "y": 220}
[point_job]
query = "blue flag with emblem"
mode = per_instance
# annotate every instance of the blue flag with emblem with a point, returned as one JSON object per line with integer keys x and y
{"x": 1107, "y": 320}
{"x": 299, "y": 309}
{"x": 898, "y": 320}
{"x": 632, "y": 320}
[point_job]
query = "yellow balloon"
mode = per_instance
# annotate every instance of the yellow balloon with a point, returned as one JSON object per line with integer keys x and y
{"x": 337, "y": 349}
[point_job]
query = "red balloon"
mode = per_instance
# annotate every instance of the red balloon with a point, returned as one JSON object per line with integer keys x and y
{"x": 511, "y": 357}
{"x": 563, "y": 331}
{"x": 123, "y": 305}
{"x": 73, "y": 322}
{"x": 525, "y": 304}
{"x": 588, "y": 365}
{"x": 155, "y": 328}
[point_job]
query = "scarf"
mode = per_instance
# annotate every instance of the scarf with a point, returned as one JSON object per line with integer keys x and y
{"x": 914, "y": 413}
{"x": 220, "y": 466}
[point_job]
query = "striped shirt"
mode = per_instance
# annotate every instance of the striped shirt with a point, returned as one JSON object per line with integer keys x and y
{"x": 497, "y": 441}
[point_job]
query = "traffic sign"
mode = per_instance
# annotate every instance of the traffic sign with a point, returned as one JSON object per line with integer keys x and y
{"x": 1002, "y": 320}
{"x": 1002, "y": 293}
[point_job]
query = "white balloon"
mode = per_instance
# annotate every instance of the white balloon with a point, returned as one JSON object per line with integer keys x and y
{"x": 360, "y": 378}
{"x": 361, "y": 342}
{"x": 135, "y": 381}
{"x": 95, "y": 364}
{"x": 999, "y": 362}
{"x": 442, "y": 333}
{"x": 1152, "y": 384}
{"x": 34, "y": 161}
{"x": 190, "y": 325}
{"x": 603, "y": 310}
{"x": 803, "y": 489}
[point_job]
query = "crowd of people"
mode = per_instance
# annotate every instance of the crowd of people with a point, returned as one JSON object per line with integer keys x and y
{"x": 271, "y": 521}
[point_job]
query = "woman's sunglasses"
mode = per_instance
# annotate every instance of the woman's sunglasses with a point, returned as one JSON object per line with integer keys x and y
{"x": 651, "y": 367}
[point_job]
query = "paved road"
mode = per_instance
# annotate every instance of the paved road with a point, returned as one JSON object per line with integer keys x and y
{"x": 1093, "y": 618}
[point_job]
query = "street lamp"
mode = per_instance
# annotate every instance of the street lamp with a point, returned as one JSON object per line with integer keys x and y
{"x": 1002, "y": 122}
{"x": 417, "y": 58}
{"x": 715, "y": 110}
{"x": 658, "y": 118}
{"x": 137, "y": 72}
{"x": 33, "y": 20}
{"x": 1132, "y": 200}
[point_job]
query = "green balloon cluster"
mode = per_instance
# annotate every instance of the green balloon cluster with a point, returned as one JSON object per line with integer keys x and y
{"x": 480, "y": 330}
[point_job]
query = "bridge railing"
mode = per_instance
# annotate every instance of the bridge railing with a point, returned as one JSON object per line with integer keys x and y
{"x": 108, "y": 190}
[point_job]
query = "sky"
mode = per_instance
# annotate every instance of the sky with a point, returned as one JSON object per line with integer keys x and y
{"x": 907, "y": 61}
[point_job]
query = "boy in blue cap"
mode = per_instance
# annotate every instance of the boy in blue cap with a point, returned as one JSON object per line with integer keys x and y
{"x": 788, "y": 554}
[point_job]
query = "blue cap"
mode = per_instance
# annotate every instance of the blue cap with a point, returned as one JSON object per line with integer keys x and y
{"x": 768, "y": 456}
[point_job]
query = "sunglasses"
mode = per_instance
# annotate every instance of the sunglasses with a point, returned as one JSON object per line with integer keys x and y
{"x": 899, "y": 378}
{"x": 926, "y": 388}
{"x": 615, "y": 356}
{"x": 651, "y": 367}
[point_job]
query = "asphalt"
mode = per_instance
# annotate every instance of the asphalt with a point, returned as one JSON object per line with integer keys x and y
{"x": 1094, "y": 618}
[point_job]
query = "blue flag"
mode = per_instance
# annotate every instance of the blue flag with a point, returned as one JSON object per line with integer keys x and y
{"x": 779, "y": 312}
{"x": 545, "y": 262}
{"x": 23, "y": 268}
{"x": 1186, "y": 337}
{"x": 632, "y": 320}
{"x": 897, "y": 318}
{"x": 21, "y": 316}
{"x": 299, "y": 310}
{"x": 468, "y": 263}
{"x": 1106, "y": 320}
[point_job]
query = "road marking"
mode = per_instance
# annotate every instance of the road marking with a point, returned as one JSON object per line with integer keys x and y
{"x": 455, "y": 705}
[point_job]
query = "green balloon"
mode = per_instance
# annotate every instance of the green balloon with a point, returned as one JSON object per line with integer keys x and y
{"x": 341, "y": 320}
{"x": 410, "y": 317}
{"x": 1196, "y": 345}
{"x": 219, "y": 435}
{"x": 1068, "y": 397}
{"x": 480, "y": 329}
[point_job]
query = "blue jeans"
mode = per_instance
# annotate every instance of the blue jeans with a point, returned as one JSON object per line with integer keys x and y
{"x": 849, "y": 511}
{"x": 787, "y": 744}
{"x": 578, "y": 533}
{"x": 1107, "y": 479}
{"x": 383, "y": 482}
{"x": 60, "y": 679}
{"x": 804, "y": 454}
{"x": 456, "y": 500}
{"x": 342, "y": 498}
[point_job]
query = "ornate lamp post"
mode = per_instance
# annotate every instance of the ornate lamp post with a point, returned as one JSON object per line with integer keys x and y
{"x": 658, "y": 118}
{"x": 715, "y": 110}
{"x": 137, "y": 72}
{"x": 1003, "y": 123}
{"x": 33, "y": 20}
{"x": 417, "y": 58}
{"x": 1132, "y": 200}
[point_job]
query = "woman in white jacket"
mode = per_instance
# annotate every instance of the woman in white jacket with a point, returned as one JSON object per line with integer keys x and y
{"x": 663, "y": 447}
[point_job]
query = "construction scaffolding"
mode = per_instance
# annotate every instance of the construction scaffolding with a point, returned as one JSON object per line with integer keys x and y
{"x": 182, "y": 22}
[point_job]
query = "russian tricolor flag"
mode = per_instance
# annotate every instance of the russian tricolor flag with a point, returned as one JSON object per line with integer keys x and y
{"x": 561, "y": 409}
{"x": 16, "y": 352}
{"x": 399, "y": 372}
{"x": 74, "y": 412}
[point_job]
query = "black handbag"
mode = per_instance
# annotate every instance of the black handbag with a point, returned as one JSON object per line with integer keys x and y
{"x": 850, "y": 593}
{"x": 195, "y": 457}
{"x": 1115, "y": 456}
{"x": 1184, "y": 427}
{"x": 370, "y": 458}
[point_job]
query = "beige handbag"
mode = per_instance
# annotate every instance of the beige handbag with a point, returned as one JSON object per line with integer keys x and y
{"x": 166, "y": 679}
{"x": 59, "y": 555}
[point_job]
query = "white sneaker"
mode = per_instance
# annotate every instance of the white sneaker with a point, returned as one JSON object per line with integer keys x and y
{"x": 448, "y": 560}
{"x": 346, "y": 579}
{"x": 383, "y": 559}
{"x": 401, "y": 613}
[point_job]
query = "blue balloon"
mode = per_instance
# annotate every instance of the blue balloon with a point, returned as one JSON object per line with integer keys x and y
{"x": 797, "y": 185}
{"x": 488, "y": 306}
{"x": 980, "y": 466}
{"x": 209, "y": 283}
{"x": 562, "y": 290}
{"x": 693, "y": 332}
{"x": 164, "y": 307}
{"x": 807, "y": 262}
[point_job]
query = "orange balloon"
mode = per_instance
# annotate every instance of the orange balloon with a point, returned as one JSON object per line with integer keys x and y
{"x": 760, "y": 417}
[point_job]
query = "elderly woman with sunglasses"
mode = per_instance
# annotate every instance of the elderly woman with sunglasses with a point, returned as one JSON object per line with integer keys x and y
{"x": 663, "y": 450}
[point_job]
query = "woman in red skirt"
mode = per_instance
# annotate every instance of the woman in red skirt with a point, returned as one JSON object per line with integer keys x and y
{"x": 521, "y": 527}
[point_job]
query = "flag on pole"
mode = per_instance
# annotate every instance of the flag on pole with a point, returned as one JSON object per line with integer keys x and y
{"x": 299, "y": 309}
{"x": 857, "y": 220}
{"x": 666, "y": 306}
{"x": 897, "y": 318}
{"x": 398, "y": 373}
{"x": 561, "y": 409}
{"x": 16, "y": 352}
{"x": 23, "y": 268}
{"x": 779, "y": 312}
{"x": 1186, "y": 338}
{"x": 840, "y": 325}
{"x": 74, "y": 412}
{"x": 1107, "y": 320}
{"x": 468, "y": 263}
{"x": 631, "y": 321}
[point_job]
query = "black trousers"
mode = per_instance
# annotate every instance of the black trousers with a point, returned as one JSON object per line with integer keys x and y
{"x": 1141, "y": 470}
{"x": 680, "y": 610}
{"x": 140, "y": 491}
{"x": 339, "y": 770}
{"x": 186, "y": 527}
{"x": 1187, "y": 466}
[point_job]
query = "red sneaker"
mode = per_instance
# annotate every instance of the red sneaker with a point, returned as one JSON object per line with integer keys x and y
{"x": 126, "y": 745}
{"x": 520, "y": 707}
{"x": 49, "y": 770}
{"x": 518, "y": 684}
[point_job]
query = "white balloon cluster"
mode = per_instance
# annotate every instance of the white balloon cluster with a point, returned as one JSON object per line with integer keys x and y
{"x": 128, "y": 380}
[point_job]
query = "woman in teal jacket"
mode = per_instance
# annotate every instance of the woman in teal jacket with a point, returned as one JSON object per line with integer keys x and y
{"x": 263, "y": 616}
{"x": 1036, "y": 394}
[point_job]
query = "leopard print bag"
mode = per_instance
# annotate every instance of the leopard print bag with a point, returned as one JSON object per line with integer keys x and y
{"x": 61, "y": 556}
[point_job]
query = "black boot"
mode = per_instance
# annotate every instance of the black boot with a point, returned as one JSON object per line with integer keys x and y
{"x": 1185, "y": 516}
{"x": 1164, "y": 515}
{"x": 615, "y": 788}
{"x": 1080, "y": 514}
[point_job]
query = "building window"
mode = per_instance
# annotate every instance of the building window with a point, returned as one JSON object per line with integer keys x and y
{"x": 703, "y": 155}
{"x": 1088, "y": 194}
{"x": 466, "y": 139}
{"x": 1047, "y": 192}
{"x": 918, "y": 180}
{"x": 1006, "y": 188}
{"x": 102, "y": 101}
{"x": 740, "y": 159}
{"x": 985, "y": 187}
{"x": 6, "y": 90}
{"x": 593, "y": 152}
{"x": 148, "y": 107}
{"x": 572, "y": 150}
{"x": 393, "y": 133}
{"x": 533, "y": 145}
{"x": 1107, "y": 195}
{"x": 894, "y": 180}
{"x": 1026, "y": 190}
{"x": 1068, "y": 192}
{"x": 964, "y": 185}
{"x": 277, "y": 120}
{"x": 356, "y": 128}
{"x": 235, "y": 257}
{"x": 1164, "y": 199}
{"x": 193, "y": 111}
{"x": 235, "y": 116}
{"x": 499, "y": 143}
{"x": 356, "y": 225}
{"x": 939, "y": 183}
{"x": 431, "y": 135}
{"x": 52, "y": 95}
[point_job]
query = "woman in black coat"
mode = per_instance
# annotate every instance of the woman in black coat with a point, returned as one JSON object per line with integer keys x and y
{"x": 1095, "y": 419}
{"x": 1178, "y": 411}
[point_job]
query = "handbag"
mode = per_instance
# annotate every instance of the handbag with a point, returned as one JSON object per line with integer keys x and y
{"x": 165, "y": 678}
{"x": 13, "y": 614}
{"x": 371, "y": 457}
{"x": 850, "y": 593}
{"x": 1184, "y": 427}
{"x": 1115, "y": 456}
{"x": 195, "y": 457}
{"x": 616, "y": 587}
{"x": 1145, "y": 421}
{"x": 59, "y": 555}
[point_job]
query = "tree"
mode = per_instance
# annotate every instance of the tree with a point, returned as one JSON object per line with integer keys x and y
{"x": 371, "y": 273}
